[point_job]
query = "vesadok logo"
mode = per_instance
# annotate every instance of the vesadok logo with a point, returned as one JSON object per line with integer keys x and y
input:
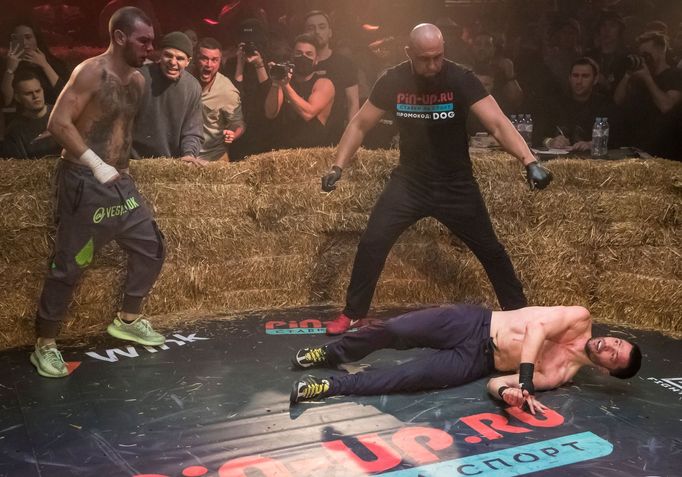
{"x": 426, "y": 449}
{"x": 672, "y": 384}
{"x": 115, "y": 210}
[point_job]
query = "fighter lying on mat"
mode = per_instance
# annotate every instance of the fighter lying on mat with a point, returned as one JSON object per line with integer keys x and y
{"x": 546, "y": 346}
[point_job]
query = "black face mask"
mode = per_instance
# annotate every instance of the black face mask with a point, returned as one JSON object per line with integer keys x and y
{"x": 303, "y": 65}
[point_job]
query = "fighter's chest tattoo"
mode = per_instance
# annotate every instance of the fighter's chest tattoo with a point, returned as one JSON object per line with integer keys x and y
{"x": 118, "y": 105}
{"x": 118, "y": 98}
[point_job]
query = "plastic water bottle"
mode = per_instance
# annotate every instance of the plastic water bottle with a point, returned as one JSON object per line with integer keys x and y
{"x": 529, "y": 129}
{"x": 597, "y": 131}
{"x": 604, "y": 149}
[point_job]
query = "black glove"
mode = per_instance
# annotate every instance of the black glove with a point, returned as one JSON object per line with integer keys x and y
{"x": 538, "y": 176}
{"x": 329, "y": 180}
{"x": 526, "y": 377}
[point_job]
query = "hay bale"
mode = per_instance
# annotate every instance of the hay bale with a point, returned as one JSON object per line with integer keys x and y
{"x": 260, "y": 234}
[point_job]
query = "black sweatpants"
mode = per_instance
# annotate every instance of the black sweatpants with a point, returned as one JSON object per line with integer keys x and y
{"x": 461, "y": 333}
{"x": 88, "y": 216}
{"x": 455, "y": 203}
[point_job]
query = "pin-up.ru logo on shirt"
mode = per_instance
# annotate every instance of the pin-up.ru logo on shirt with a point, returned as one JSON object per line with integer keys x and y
{"x": 434, "y": 106}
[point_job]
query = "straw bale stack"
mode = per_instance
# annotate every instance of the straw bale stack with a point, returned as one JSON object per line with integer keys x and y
{"x": 260, "y": 234}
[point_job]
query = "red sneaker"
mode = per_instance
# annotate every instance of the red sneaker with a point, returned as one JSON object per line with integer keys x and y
{"x": 340, "y": 325}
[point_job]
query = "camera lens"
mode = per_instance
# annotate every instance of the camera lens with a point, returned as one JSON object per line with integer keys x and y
{"x": 633, "y": 62}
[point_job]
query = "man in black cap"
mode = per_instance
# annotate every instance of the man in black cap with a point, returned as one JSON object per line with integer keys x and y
{"x": 169, "y": 123}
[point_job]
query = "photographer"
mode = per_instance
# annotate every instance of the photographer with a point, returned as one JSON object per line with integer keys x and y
{"x": 650, "y": 92}
{"x": 300, "y": 98}
{"x": 248, "y": 72}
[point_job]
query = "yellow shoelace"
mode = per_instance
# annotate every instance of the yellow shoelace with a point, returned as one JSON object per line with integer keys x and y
{"x": 315, "y": 389}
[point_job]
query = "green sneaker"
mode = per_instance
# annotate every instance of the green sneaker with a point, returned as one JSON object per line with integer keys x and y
{"x": 140, "y": 331}
{"x": 49, "y": 362}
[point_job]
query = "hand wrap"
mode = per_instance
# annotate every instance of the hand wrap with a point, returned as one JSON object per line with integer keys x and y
{"x": 103, "y": 172}
{"x": 526, "y": 377}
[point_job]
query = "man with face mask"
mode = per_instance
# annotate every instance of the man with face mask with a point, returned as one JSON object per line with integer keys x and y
{"x": 431, "y": 98}
{"x": 651, "y": 93}
{"x": 301, "y": 101}
{"x": 169, "y": 123}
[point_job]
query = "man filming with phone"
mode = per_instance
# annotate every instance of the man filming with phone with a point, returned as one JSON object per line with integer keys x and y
{"x": 300, "y": 99}
{"x": 248, "y": 72}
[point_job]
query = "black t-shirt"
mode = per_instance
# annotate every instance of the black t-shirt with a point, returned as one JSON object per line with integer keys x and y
{"x": 20, "y": 135}
{"x": 258, "y": 135}
{"x": 431, "y": 115}
{"x": 343, "y": 72}
{"x": 652, "y": 130}
{"x": 576, "y": 119}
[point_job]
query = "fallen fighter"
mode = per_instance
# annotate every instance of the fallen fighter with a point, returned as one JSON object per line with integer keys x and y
{"x": 545, "y": 346}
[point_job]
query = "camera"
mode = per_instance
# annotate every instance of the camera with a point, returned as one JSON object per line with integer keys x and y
{"x": 250, "y": 48}
{"x": 634, "y": 62}
{"x": 279, "y": 71}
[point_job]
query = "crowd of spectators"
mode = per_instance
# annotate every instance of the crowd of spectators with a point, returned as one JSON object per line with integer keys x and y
{"x": 271, "y": 75}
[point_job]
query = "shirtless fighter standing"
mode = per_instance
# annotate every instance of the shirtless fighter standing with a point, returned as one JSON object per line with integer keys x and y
{"x": 545, "y": 346}
{"x": 97, "y": 200}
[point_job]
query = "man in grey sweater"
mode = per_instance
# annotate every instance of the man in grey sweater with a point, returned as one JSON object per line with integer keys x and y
{"x": 169, "y": 123}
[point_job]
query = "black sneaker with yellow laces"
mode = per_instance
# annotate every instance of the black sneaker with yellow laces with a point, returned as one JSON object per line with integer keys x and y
{"x": 308, "y": 389}
{"x": 310, "y": 358}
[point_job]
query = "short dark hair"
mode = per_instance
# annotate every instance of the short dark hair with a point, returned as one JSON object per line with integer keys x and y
{"x": 659, "y": 39}
{"x": 312, "y": 13}
{"x": 210, "y": 44}
{"x": 24, "y": 74}
{"x": 124, "y": 19}
{"x": 634, "y": 363}
{"x": 586, "y": 60}
{"x": 309, "y": 39}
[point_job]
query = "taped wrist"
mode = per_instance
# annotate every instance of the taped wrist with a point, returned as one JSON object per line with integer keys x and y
{"x": 501, "y": 390}
{"x": 91, "y": 159}
{"x": 526, "y": 377}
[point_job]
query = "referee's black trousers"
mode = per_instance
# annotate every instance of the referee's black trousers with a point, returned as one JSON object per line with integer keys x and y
{"x": 456, "y": 203}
